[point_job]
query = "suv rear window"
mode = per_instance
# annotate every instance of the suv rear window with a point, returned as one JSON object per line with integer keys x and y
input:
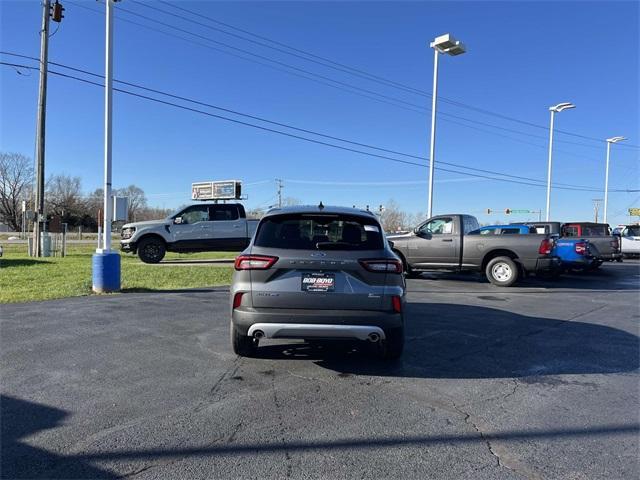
{"x": 321, "y": 232}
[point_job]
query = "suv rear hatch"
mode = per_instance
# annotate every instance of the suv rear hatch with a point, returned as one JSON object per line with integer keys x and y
{"x": 321, "y": 261}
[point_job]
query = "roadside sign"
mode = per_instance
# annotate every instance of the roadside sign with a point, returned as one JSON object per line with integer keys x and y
{"x": 634, "y": 212}
{"x": 221, "y": 190}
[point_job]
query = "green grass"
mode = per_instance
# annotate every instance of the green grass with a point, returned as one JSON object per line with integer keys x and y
{"x": 24, "y": 279}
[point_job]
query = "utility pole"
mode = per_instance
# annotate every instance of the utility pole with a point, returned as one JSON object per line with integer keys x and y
{"x": 40, "y": 127}
{"x": 280, "y": 185}
{"x": 596, "y": 207}
{"x": 56, "y": 14}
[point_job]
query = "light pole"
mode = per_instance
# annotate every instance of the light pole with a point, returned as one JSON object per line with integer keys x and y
{"x": 556, "y": 108}
{"x": 106, "y": 264}
{"x": 449, "y": 45}
{"x": 606, "y": 175}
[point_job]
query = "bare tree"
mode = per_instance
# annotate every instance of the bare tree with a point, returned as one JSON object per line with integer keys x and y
{"x": 152, "y": 213}
{"x": 137, "y": 201}
{"x": 393, "y": 219}
{"x": 64, "y": 198}
{"x": 16, "y": 183}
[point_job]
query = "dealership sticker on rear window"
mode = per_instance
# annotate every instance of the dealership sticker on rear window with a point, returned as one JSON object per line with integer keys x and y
{"x": 318, "y": 282}
{"x": 371, "y": 228}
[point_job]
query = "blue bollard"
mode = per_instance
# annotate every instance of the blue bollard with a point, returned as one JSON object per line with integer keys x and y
{"x": 106, "y": 272}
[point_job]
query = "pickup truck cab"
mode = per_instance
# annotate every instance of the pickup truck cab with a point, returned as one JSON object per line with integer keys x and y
{"x": 445, "y": 242}
{"x": 197, "y": 228}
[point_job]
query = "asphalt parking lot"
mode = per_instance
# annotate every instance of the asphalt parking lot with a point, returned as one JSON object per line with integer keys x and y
{"x": 538, "y": 381}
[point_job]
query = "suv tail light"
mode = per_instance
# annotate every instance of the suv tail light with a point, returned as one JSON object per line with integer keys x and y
{"x": 254, "y": 262}
{"x": 545, "y": 247}
{"x": 382, "y": 265}
{"x": 237, "y": 299}
{"x": 396, "y": 302}
{"x": 581, "y": 248}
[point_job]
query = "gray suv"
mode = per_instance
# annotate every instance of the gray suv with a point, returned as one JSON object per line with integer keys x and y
{"x": 317, "y": 273}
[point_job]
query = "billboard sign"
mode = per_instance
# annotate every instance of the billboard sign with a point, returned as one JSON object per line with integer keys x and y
{"x": 634, "y": 212}
{"x": 222, "y": 190}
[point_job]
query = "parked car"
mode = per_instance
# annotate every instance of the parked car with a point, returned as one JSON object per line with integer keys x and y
{"x": 512, "y": 229}
{"x": 629, "y": 240}
{"x": 197, "y": 228}
{"x": 318, "y": 273}
{"x": 444, "y": 243}
{"x": 574, "y": 253}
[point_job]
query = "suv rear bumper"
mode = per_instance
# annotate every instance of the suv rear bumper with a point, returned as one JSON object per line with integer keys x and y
{"x": 306, "y": 330}
{"x": 300, "y": 323}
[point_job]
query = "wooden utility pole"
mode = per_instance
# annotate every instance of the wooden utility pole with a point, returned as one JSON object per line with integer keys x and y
{"x": 55, "y": 11}
{"x": 40, "y": 128}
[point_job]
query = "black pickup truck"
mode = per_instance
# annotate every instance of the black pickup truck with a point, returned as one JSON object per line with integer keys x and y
{"x": 444, "y": 243}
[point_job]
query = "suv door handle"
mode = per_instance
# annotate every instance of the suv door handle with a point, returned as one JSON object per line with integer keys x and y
{"x": 447, "y": 239}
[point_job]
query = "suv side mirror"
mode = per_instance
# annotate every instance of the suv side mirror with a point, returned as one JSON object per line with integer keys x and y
{"x": 177, "y": 220}
{"x": 391, "y": 244}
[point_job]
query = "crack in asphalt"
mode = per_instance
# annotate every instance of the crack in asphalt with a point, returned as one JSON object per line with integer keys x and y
{"x": 282, "y": 439}
{"x": 469, "y": 421}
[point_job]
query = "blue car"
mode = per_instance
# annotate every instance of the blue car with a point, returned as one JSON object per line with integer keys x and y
{"x": 574, "y": 253}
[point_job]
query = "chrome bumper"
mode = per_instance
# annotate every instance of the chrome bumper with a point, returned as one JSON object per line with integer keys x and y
{"x": 305, "y": 330}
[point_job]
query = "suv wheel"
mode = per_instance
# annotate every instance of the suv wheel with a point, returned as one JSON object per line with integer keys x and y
{"x": 243, "y": 345}
{"x": 502, "y": 271}
{"x": 151, "y": 250}
{"x": 393, "y": 344}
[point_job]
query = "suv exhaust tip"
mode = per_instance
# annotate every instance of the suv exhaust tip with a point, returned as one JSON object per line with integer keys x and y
{"x": 373, "y": 337}
{"x": 258, "y": 334}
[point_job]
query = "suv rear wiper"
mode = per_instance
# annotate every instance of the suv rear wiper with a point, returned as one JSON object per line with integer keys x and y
{"x": 335, "y": 246}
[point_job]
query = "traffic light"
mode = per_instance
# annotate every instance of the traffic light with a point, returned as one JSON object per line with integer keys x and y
{"x": 507, "y": 211}
{"x": 56, "y": 12}
{"x": 488, "y": 211}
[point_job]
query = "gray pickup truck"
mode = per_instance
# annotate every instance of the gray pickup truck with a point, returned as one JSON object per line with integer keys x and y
{"x": 196, "y": 228}
{"x": 443, "y": 243}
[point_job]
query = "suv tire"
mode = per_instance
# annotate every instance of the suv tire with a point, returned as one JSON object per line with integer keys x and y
{"x": 243, "y": 345}
{"x": 151, "y": 250}
{"x": 502, "y": 271}
{"x": 393, "y": 344}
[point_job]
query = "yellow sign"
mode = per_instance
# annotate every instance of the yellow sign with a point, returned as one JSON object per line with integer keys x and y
{"x": 635, "y": 212}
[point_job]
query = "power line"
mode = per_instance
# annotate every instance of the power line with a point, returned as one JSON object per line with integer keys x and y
{"x": 289, "y": 126}
{"x": 344, "y": 68}
{"x": 299, "y": 72}
{"x": 164, "y": 102}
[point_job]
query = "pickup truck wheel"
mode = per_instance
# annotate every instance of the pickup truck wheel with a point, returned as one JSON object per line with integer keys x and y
{"x": 502, "y": 271}
{"x": 151, "y": 250}
{"x": 242, "y": 345}
{"x": 393, "y": 344}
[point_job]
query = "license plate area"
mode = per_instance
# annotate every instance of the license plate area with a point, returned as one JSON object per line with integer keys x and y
{"x": 318, "y": 282}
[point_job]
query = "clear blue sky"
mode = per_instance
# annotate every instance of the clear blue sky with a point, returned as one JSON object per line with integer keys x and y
{"x": 522, "y": 57}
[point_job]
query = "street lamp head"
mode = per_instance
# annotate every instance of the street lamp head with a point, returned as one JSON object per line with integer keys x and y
{"x": 562, "y": 106}
{"x": 447, "y": 44}
{"x": 615, "y": 139}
